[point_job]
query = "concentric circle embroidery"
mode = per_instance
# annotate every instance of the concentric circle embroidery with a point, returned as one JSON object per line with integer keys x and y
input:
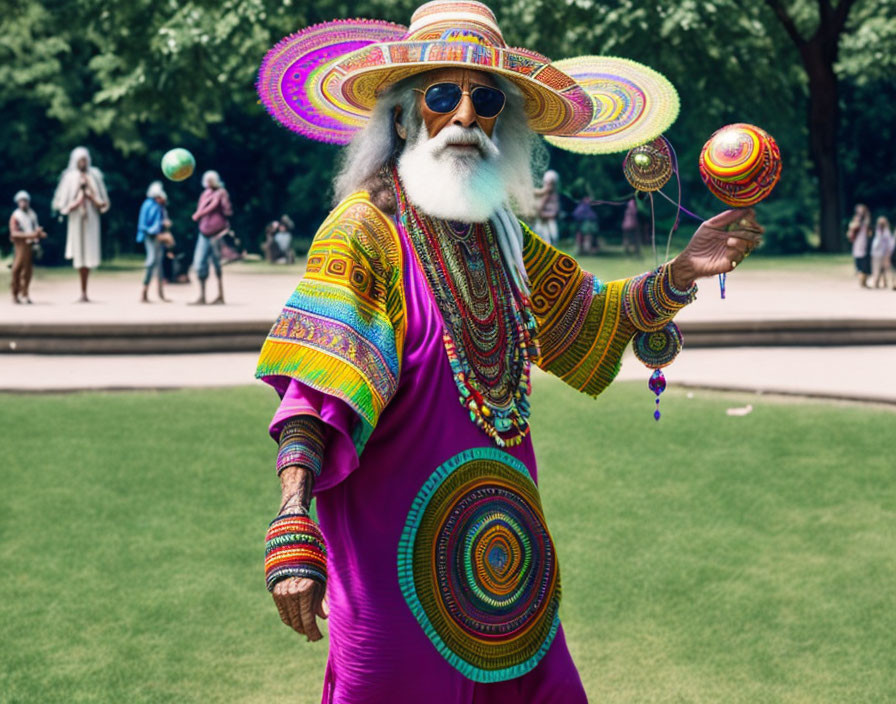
{"x": 477, "y": 566}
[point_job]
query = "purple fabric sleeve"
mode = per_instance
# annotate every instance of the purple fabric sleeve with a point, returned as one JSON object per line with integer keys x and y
{"x": 340, "y": 458}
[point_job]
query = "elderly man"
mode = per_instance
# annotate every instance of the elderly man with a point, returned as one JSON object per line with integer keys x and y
{"x": 403, "y": 359}
{"x": 81, "y": 195}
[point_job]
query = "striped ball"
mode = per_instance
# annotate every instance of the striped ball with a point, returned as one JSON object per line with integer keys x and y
{"x": 178, "y": 164}
{"x": 740, "y": 164}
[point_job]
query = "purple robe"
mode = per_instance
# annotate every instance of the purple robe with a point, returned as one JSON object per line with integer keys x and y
{"x": 378, "y": 650}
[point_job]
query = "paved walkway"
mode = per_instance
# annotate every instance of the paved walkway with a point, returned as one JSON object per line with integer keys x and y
{"x": 256, "y": 293}
{"x": 849, "y": 373}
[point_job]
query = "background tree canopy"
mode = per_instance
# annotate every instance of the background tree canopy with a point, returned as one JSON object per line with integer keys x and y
{"x": 132, "y": 78}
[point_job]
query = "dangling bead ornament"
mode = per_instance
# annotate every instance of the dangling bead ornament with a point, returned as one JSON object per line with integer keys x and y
{"x": 656, "y": 350}
{"x": 657, "y": 384}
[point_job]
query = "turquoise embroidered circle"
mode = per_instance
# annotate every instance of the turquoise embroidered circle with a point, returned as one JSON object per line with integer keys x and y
{"x": 477, "y": 566}
{"x": 658, "y": 348}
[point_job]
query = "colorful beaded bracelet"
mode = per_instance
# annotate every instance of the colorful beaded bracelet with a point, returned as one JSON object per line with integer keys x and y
{"x": 650, "y": 300}
{"x": 294, "y": 547}
{"x": 302, "y": 444}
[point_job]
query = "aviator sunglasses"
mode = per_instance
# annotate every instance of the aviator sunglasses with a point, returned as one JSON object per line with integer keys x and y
{"x": 445, "y": 97}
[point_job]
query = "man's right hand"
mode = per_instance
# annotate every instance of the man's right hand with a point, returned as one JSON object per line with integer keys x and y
{"x": 300, "y": 602}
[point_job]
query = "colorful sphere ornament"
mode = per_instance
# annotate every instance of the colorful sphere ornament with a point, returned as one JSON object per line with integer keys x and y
{"x": 178, "y": 164}
{"x": 477, "y": 566}
{"x": 657, "y": 349}
{"x": 649, "y": 167}
{"x": 740, "y": 164}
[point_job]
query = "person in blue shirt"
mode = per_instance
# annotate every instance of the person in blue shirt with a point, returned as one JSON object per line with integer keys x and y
{"x": 153, "y": 221}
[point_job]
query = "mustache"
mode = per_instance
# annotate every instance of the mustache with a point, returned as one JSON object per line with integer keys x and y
{"x": 455, "y": 135}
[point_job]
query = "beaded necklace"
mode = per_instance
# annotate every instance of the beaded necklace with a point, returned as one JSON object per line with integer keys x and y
{"x": 488, "y": 328}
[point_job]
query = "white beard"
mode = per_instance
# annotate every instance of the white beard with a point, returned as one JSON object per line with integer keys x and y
{"x": 451, "y": 183}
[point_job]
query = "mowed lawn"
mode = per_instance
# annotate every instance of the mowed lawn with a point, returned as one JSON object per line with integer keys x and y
{"x": 705, "y": 558}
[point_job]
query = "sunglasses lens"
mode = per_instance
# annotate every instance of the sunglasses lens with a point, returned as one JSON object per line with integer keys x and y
{"x": 487, "y": 102}
{"x": 443, "y": 97}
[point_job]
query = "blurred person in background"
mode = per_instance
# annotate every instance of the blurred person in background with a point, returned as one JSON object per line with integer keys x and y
{"x": 882, "y": 246}
{"x": 631, "y": 231}
{"x": 859, "y": 233}
{"x": 152, "y": 227}
{"x": 24, "y": 231}
{"x": 212, "y": 213}
{"x": 283, "y": 238}
{"x": 548, "y": 207}
{"x": 269, "y": 245}
{"x": 81, "y": 195}
{"x": 586, "y": 227}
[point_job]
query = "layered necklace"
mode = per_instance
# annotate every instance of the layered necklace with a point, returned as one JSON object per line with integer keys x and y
{"x": 488, "y": 328}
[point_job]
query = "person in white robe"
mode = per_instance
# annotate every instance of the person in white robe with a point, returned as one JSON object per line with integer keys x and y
{"x": 81, "y": 195}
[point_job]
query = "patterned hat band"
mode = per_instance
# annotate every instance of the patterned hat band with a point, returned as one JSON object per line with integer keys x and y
{"x": 323, "y": 82}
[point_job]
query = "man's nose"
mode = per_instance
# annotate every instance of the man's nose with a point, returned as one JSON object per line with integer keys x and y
{"x": 464, "y": 114}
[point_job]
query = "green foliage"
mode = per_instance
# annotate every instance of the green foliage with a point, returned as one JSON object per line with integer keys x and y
{"x": 133, "y": 78}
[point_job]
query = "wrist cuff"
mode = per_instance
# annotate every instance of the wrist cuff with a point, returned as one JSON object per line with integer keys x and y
{"x": 294, "y": 547}
{"x": 650, "y": 300}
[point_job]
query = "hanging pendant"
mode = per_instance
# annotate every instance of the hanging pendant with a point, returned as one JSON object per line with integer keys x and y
{"x": 657, "y": 349}
{"x": 657, "y": 384}
{"x": 722, "y": 280}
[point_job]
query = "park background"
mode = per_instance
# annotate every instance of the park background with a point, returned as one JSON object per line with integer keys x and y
{"x": 131, "y": 79}
{"x": 739, "y": 551}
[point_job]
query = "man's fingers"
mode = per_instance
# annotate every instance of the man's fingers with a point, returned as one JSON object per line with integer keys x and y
{"x": 323, "y": 608}
{"x": 291, "y": 601}
{"x": 281, "y": 609}
{"x": 731, "y": 217}
{"x": 738, "y": 245}
{"x": 307, "y": 604}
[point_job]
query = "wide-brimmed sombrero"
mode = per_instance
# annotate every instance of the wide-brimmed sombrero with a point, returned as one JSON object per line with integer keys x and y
{"x": 323, "y": 82}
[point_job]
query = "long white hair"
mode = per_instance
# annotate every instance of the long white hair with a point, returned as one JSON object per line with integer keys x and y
{"x": 378, "y": 144}
{"x": 76, "y": 155}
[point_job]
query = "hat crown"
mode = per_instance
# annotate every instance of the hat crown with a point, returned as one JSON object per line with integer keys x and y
{"x": 450, "y": 20}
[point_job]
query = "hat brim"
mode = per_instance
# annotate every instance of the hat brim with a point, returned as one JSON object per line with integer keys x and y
{"x": 288, "y": 80}
{"x": 554, "y": 102}
{"x": 324, "y": 81}
{"x": 633, "y": 104}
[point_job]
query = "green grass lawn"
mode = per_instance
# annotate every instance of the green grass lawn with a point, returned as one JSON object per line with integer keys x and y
{"x": 705, "y": 558}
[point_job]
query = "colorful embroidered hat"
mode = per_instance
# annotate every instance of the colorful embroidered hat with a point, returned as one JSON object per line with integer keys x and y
{"x": 323, "y": 82}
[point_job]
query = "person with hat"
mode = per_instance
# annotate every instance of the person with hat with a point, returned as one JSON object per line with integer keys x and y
{"x": 24, "y": 231}
{"x": 403, "y": 358}
{"x": 153, "y": 228}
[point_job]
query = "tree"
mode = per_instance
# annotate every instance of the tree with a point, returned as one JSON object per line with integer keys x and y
{"x": 819, "y": 51}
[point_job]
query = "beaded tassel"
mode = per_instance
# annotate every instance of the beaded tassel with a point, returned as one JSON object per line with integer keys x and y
{"x": 657, "y": 384}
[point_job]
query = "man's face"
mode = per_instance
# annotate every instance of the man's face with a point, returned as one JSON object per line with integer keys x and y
{"x": 451, "y": 167}
{"x": 464, "y": 114}
{"x": 160, "y": 200}
{"x": 23, "y": 203}
{"x": 82, "y": 163}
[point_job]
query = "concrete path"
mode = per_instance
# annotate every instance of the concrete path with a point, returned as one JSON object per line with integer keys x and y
{"x": 255, "y": 293}
{"x": 849, "y": 373}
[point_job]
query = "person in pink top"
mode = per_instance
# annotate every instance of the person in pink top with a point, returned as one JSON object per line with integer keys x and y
{"x": 211, "y": 213}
